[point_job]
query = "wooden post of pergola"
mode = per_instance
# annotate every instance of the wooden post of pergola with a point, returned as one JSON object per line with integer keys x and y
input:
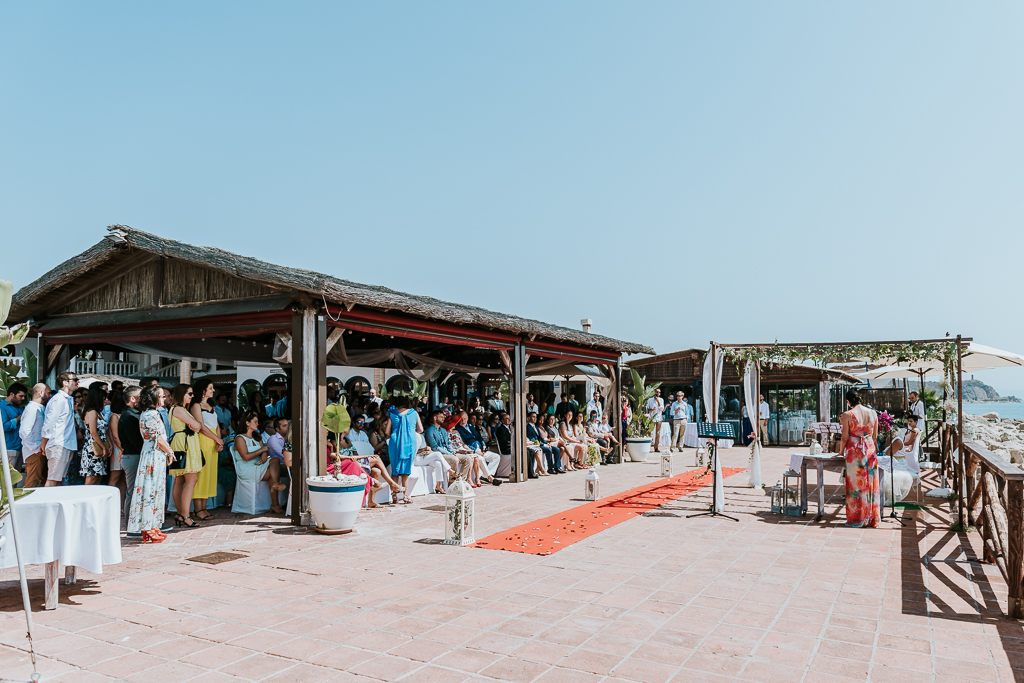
{"x": 614, "y": 409}
{"x": 517, "y": 408}
{"x": 309, "y": 398}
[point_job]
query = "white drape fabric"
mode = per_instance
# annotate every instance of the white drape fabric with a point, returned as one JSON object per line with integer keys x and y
{"x": 711, "y": 405}
{"x": 750, "y": 375}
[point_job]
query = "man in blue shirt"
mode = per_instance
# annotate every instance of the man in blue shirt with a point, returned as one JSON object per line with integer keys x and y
{"x": 681, "y": 412}
{"x": 437, "y": 438}
{"x": 11, "y": 409}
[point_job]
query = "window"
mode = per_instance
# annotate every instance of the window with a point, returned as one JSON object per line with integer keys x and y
{"x": 358, "y": 386}
{"x": 275, "y": 387}
{"x": 399, "y": 385}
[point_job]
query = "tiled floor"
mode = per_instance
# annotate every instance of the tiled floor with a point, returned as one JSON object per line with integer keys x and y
{"x": 656, "y": 599}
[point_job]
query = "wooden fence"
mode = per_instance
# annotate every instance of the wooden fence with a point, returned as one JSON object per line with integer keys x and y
{"x": 995, "y": 505}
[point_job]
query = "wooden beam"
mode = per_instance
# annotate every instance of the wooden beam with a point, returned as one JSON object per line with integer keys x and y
{"x": 321, "y": 390}
{"x": 517, "y": 407}
{"x": 300, "y": 511}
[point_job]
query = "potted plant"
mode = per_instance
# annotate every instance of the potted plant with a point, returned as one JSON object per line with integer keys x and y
{"x": 640, "y": 427}
{"x": 336, "y": 499}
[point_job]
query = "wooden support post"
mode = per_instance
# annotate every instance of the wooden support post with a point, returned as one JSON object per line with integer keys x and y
{"x": 321, "y": 390}
{"x": 306, "y": 332}
{"x": 40, "y": 361}
{"x": 1015, "y": 549}
{"x": 51, "y": 584}
{"x": 185, "y": 371}
{"x": 517, "y": 407}
{"x": 70, "y": 576}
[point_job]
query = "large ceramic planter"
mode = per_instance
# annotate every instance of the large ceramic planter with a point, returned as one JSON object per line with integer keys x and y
{"x": 638, "y": 449}
{"x": 335, "y": 504}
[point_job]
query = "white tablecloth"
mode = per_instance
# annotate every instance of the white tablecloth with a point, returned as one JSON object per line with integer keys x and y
{"x": 78, "y": 525}
{"x": 691, "y": 440}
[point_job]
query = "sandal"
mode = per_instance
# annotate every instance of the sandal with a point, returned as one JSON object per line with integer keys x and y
{"x": 203, "y": 519}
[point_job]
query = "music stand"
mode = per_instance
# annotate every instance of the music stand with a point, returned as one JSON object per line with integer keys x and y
{"x": 713, "y": 432}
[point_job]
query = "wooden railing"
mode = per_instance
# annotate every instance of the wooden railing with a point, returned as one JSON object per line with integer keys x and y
{"x": 995, "y": 505}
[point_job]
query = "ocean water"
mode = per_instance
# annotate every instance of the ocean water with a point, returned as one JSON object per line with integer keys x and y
{"x": 1012, "y": 410}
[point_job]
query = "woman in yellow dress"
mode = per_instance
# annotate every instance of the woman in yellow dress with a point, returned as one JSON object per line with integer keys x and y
{"x": 185, "y": 429}
{"x": 210, "y": 443}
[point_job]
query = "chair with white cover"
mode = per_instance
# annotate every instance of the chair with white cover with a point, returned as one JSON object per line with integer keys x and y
{"x": 251, "y": 497}
{"x": 364, "y": 448}
{"x": 504, "y": 469}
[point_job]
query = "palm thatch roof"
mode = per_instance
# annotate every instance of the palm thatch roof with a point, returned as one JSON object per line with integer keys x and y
{"x": 122, "y": 240}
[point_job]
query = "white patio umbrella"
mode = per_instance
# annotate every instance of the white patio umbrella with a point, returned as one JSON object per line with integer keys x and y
{"x": 975, "y": 357}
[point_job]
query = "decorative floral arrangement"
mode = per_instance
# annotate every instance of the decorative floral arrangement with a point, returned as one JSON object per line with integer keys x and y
{"x": 910, "y": 352}
{"x": 343, "y": 479}
{"x": 886, "y": 426}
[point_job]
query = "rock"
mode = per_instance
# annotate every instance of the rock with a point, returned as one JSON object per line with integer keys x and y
{"x": 991, "y": 416}
{"x": 1017, "y": 456}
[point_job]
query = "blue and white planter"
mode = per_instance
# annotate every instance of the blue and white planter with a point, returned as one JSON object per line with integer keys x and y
{"x": 335, "y": 503}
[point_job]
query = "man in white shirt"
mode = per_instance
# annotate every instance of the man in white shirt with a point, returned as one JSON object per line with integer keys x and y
{"x": 656, "y": 411}
{"x": 375, "y": 398}
{"x": 594, "y": 405}
{"x": 31, "y": 433}
{"x": 762, "y": 420}
{"x": 531, "y": 406}
{"x": 59, "y": 440}
{"x": 916, "y": 408}
{"x": 681, "y": 412}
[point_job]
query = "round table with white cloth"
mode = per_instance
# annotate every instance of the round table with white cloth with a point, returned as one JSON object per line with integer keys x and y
{"x": 77, "y": 525}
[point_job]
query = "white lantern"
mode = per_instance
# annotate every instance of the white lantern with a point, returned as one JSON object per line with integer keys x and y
{"x": 666, "y": 465}
{"x": 591, "y": 485}
{"x": 459, "y": 515}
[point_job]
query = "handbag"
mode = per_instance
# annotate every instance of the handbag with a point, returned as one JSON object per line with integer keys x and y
{"x": 181, "y": 457}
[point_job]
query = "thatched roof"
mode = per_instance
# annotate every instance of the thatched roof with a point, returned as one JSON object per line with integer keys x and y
{"x": 123, "y": 239}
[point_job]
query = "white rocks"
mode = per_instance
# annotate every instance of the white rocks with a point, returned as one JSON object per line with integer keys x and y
{"x": 991, "y": 416}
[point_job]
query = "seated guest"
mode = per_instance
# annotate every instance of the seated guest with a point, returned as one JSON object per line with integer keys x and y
{"x": 607, "y": 431}
{"x": 575, "y": 445}
{"x": 275, "y": 442}
{"x": 475, "y": 406}
{"x": 471, "y": 436}
{"x": 595, "y": 433}
{"x": 438, "y": 439}
{"x": 592, "y": 452}
{"x": 378, "y": 470}
{"x": 504, "y": 437}
{"x": 554, "y": 440}
{"x": 483, "y": 460}
{"x": 536, "y": 435}
{"x": 253, "y": 462}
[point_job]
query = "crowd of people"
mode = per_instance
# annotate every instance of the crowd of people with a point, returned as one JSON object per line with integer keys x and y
{"x": 151, "y": 443}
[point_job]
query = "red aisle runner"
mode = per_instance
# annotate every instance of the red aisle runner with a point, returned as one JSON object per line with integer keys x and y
{"x": 551, "y": 534}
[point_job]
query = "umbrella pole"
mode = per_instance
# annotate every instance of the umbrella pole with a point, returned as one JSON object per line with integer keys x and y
{"x": 960, "y": 430}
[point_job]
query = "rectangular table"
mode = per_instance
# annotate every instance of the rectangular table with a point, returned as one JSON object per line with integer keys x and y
{"x": 825, "y": 461}
{"x": 77, "y": 526}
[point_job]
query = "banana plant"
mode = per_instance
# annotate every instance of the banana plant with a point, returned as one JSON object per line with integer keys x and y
{"x": 9, "y": 335}
{"x": 337, "y": 421}
{"x": 641, "y": 425}
{"x": 15, "y": 476}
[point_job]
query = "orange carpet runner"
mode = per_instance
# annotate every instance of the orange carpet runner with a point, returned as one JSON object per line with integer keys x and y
{"x": 551, "y": 534}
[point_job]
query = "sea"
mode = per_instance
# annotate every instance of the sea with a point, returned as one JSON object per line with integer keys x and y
{"x": 1011, "y": 410}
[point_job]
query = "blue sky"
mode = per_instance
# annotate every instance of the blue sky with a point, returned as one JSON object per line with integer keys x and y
{"x": 678, "y": 172}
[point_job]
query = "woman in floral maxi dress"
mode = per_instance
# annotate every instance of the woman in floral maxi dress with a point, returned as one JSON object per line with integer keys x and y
{"x": 863, "y": 492}
{"x": 147, "y": 512}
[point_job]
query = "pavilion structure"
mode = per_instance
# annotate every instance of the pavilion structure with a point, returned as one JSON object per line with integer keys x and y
{"x": 136, "y": 289}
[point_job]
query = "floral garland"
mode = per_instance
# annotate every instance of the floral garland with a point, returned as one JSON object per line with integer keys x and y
{"x": 906, "y": 352}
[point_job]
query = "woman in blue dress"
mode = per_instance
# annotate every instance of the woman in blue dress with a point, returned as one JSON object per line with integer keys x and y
{"x": 401, "y": 433}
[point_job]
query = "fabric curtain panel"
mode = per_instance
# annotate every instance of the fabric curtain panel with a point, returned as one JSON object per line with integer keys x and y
{"x": 750, "y": 375}
{"x": 712, "y": 388}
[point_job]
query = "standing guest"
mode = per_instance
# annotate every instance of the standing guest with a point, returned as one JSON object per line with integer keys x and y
{"x": 374, "y": 397}
{"x": 917, "y": 408}
{"x": 680, "y": 412}
{"x": 185, "y": 439}
{"x": 146, "y": 514}
{"x": 254, "y": 462}
{"x": 531, "y": 407}
{"x": 356, "y": 434}
{"x": 400, "y": 429}
{"x": 59, "y": 440}
{"x": 863, "y": 492}
{"x": 114, "y": 444}
{"x": 762, "y": 419}
{"x": 562, "y": 407}
{"x": 31, "y": 433}
{"x": 73, "y": 474}
{"x": 627, "y": 415}
{"x": 550, "y": 401}
{"x": 116, "y": 387}
{"x": 11, "y": 409}
{"x": 595, "y": 405}
{"x": 210, "y": 444}
{"x": 129, "y": 434}
{"x": 223, "y": 414}
{"x": 655, "y": 410}
{"x": 94, "y": 455}
{"x": 495, "y": 404}
{"x": 226, "y": 477}
{"x": 165, "y": 416}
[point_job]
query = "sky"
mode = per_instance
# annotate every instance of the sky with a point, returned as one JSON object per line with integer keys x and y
{"x": 679, "y": 172}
